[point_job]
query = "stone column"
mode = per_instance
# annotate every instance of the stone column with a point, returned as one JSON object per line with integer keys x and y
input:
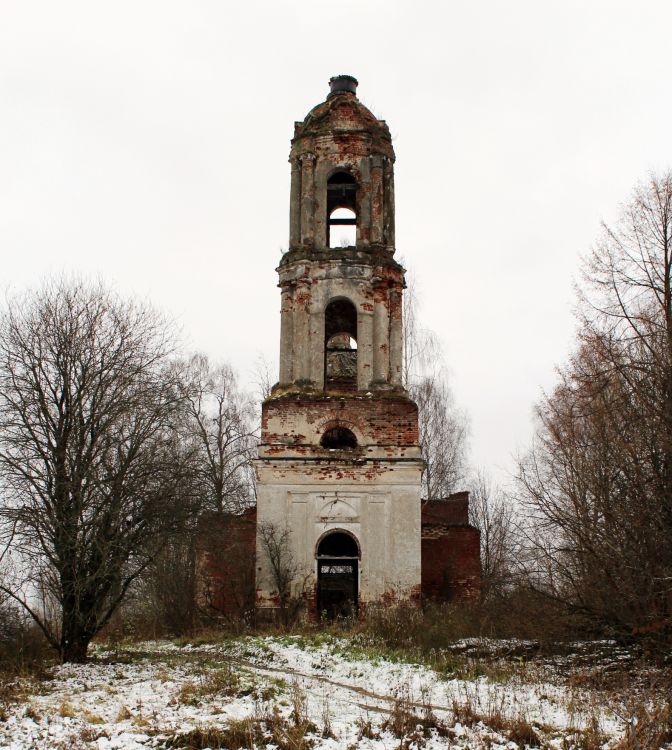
{"x": 307, "y": 199}
{"x": 388, "y": 210}
{"x": 301, "y": 331}
{"x": 286, "y": 335}
{"x": 364, "y": 203}
{"x": 381, "y": 333}
{"x": 377, "y": 199}
{"x": 317, "y": 374}
{"x": 396, "y": 337}
{"x": 322, "y": 168}
{"x": 295, "y": 205}
{"x": 364, "y": 349}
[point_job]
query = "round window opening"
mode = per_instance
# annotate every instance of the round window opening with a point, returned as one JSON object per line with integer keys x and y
{"x": 339, "y": 438}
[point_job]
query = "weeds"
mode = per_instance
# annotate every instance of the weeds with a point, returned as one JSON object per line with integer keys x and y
{"x": 365, "y": 729}
{"x": 66, "y": 710}
{"x": 123, "y": 715}
{"x": 225, "y": 681}
{"x": 30, "y": 712}
{"x": 90, "y": 734}
{"x": 260, "y": 730}
{"x": 648, "y": 728}
{"x": 92, "y": 718}
{"x": 327, "y": 730}
{"x": 402, "y": 718}
{"x": 238, "y": 735}
{"x": 409, "y": 727}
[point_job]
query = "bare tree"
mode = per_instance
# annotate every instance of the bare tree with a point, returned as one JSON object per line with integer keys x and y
{"x": 221, "y": 428}
{"x": 627, "y": 299}
{"x": 218, "y": 437}
{"x": 421, "y": 346}
{"x": 263, "y": 377}
{"x": 443, "y": 432}
{"x": 598, "y": 480}
{"x": 443, "y": 427}
{"x": 89, "y": 466}
{"x": 286, "y": 572}
{"x": 492, "y": 513}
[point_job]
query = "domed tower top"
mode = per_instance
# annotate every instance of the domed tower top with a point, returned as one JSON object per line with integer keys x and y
{"x": 342, "y": 193}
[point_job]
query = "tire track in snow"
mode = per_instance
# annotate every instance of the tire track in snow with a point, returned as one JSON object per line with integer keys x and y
{"x": 390, "y": 699}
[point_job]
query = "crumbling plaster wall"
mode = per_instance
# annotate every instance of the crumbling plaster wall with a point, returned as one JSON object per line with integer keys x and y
{"x": 377, "y": 502}
{"x": 375, "y": 291}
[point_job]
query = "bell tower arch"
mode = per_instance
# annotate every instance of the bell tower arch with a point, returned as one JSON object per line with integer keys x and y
{"x": 341, "y": 364}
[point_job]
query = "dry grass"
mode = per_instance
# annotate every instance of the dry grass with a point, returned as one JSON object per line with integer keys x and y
{"x": 365, "y": 729}
{"x": 250, "y": 733}
{"x": 123, "y": 714}
{"x": 267, "y": 726}
{"x": 225, "y": 681}
{"x": 66, "y": 710}
{"x": 648, "y": 728}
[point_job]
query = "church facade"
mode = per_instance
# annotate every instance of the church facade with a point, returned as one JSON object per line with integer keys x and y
{"x": 339, "y": 523}
{"x": 339, "y": 466}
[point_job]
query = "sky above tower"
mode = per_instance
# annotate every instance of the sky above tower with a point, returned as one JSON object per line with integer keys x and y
{"x": 146, "y": 143}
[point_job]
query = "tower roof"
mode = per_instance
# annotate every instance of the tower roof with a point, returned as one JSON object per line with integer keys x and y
{"x": 342, "y": 113}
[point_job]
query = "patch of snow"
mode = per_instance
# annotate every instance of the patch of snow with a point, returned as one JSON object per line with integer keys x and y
{"x": 137, "y": 698}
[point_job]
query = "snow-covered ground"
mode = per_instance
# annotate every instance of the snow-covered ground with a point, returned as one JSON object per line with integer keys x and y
{"x": 151, "y": 693}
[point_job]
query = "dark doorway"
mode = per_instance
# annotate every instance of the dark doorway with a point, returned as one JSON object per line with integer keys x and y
{"x": 337, "y": 576}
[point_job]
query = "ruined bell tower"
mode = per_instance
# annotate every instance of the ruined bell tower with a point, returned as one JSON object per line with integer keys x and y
{"x": 339, "y": 464}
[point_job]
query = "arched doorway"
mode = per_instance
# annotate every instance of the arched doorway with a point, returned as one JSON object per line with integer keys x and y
{"x": 337, "y": 575}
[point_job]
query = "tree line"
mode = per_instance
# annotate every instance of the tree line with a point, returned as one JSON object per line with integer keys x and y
{"x": 114, "y": 448}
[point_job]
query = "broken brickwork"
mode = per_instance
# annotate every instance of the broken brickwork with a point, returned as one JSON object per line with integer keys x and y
{"x": 451, "y": 563}
{"x": 225, "y": 558}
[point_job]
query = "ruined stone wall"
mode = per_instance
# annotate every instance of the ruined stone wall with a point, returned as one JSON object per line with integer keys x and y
{"x": 452, "y": 510}
{"x": 375, "y": 501}
{"x": 374, "y": 288}
{"x": 225, "y": 557}
{"x": 451, "y": 563}
{"x": 384, "y": 427}
{"x": 450, "y": 555}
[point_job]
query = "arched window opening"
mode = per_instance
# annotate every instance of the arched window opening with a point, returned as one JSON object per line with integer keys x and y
{"x": 337, "y": 544}
{"x": 339, "y": 438}
{"x": 341, "y": 210}
{"x": 342, "y": 228}
{"x": 342, "y": 341}
{"x": 340, "y": 346}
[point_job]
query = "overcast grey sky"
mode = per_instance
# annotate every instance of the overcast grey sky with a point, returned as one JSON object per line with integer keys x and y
{"x": 147, "y": 142}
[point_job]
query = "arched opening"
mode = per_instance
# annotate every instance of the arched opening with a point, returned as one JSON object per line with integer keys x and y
{"x": 337, "y": 575}
{"x": 340, "y": 346}
{"x": 342, "y": 228}
{"x": 341, "y": 210}
{"x": 339, "y": 438}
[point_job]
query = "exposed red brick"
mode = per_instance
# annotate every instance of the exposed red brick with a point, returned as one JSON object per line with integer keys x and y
{"x": 450, "y": 548}
{"x": 225, "y": 560}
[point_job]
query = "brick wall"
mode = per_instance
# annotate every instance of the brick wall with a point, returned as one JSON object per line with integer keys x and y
{"x": 226, "y": 562}
{"x": 380, "y": 421}
{"x": 450, "y": 549}
{"x": 452, "y": 510}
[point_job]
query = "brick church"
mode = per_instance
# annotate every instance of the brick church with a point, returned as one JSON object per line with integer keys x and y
{"x": 339, "y": 465}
